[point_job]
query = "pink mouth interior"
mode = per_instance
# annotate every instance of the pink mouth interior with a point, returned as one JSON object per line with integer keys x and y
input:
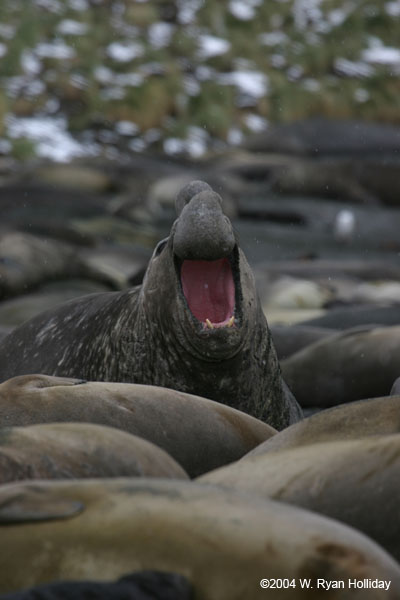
{"x": 209, "y": 289}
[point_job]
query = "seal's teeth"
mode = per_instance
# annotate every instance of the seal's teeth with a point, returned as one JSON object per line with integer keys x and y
{"x": 231, "y": 321}
{"x": 209, "y": 324}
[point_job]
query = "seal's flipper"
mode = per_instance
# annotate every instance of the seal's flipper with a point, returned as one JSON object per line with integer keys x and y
{"x": 33, "y": 505}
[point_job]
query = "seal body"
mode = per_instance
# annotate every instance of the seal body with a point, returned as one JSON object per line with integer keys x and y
{"x": 354, "y": 420}
{"x": 329, "y": 478}
{"x": 350, "y": 365}
{"x": 80, "y": 450}
{"x": 209, "y": 435}
{"x": 194, "y": 325}
{"x": 222, "y": 540}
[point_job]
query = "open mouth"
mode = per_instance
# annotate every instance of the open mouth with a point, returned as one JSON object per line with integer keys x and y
{"x": 209, "y": 289}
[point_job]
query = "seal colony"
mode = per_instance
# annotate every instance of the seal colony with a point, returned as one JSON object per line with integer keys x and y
{"x": 194, "y": 325}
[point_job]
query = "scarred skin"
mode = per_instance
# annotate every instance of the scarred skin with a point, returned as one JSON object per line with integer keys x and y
{"x": 149, "y": 335}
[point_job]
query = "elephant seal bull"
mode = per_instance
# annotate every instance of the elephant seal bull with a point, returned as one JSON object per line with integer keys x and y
{"x": 195, "y": 324}
{"x": 224, "y": 541}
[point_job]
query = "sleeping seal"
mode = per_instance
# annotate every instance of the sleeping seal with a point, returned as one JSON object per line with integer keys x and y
{"x": 80, "y": 450}
{"x": 353, "y": 481}
{"x": 195, "y": 324}
{"x": 349, "y": 365}
{"x": 355, "y": 420}
{"x": 209, "y": 435}
{"x": 224, "y": 541}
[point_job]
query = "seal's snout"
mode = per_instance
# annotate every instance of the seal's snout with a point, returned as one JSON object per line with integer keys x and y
{"x": 202, "y": 231}
{"x": 206, "y": 256}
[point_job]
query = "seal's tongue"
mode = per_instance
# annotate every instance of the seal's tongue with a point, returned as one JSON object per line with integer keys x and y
{"x": 209, "y": 290}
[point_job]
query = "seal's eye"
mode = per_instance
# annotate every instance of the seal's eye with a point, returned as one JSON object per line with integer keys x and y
{"x": 160, "y": 247}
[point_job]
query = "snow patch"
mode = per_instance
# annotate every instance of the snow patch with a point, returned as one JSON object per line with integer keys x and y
{"x": 160, "y": 34}
{"x": 78, "y": 5}
{"x": 174, "y": 146}
{"x": 350, "y": 68}
{"x": 126, "y": 128}
{"x": 255, "y": 122}
{"x": 128, "y": 79}
{"x": 124, "y": 51}
{"x": 241, "y": 10}
{"x": 187, "y": 10}
{"x": 137, "y": 145}
{"x": 210, "y": 45}
{"x": 393, "y": 8}
{"x": 191, "y": 85}
{"x": 382, "y": 55}
{"x": 103, "y": 75}
{"x": 57, "y": 49}
{"x": 306, "y": 13}
{"x": 30, "y": 63}
{"x": 71, "y": 27}
{"x": 234, "y": 137}
{"x": 195, "y": 144}
{"x": 361, "y": 95}
{"x": 251, "y": 83}
{"x": 53, "y": 6}
{"x": 311, "y": 85}
{"x": 274, "y": 38}
{"x": 51, "y": 137}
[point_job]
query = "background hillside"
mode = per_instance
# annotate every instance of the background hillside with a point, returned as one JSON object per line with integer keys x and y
{"x": 101, "y": 77}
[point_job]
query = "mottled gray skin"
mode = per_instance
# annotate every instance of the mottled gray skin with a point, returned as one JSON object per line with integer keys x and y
{"x": 149, "y": 335}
